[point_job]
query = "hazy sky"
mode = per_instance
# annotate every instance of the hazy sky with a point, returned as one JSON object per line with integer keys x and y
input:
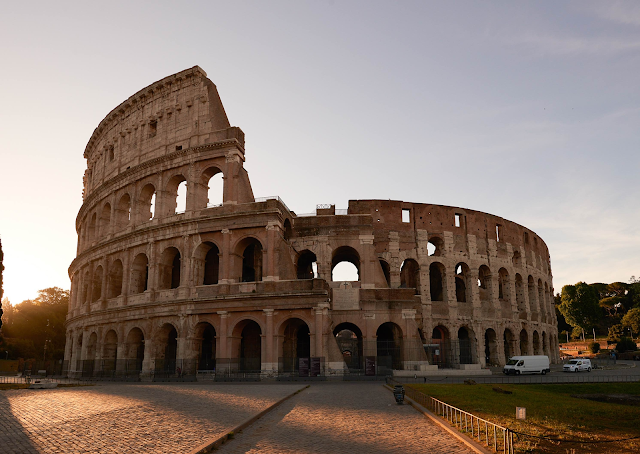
{"x": 526, "y": 110}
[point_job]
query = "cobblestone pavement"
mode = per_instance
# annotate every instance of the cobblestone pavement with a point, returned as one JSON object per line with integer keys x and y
{"x": 343, "y": 418}
{"x": 128, "y": 418}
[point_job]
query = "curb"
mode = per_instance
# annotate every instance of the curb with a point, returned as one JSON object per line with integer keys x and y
{"x": 472, "y": 444}
{"x": 216, "y": 443}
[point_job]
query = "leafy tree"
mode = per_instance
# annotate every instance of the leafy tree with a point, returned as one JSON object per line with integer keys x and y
{"x": 626, "y": 345}
{"x": 562, "y": 323}
{"x": 32, "y": 323}
{"x": 632, "y": 320}
{"x": 579, "y": 305}
{"x": 615, "y": 333}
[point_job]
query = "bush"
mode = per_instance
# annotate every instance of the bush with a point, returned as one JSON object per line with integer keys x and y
{"x": 625, "y": 345}
{"x": 594, "y": 347}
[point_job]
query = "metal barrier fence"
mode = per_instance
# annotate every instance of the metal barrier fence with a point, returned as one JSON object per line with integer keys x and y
{"x": 27, "y": 379}
{"x": 499, "y": 438}
{"x": 525, "y": 379}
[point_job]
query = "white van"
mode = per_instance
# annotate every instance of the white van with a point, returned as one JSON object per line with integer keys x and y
{"x": 538, "y": 364}
{"x": 577, "y": 364}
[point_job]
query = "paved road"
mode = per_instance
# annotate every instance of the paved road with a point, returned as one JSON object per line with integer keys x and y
{"x": 127, "y": 418}
{"x": 343, "y": 418}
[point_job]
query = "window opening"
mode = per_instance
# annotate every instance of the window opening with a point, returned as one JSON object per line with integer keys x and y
{"x": 406, "y": 215}
{"x": 215, "y": 191}
{"x": 181, "y": 198}
{"x": 152, "y": 208}
{"x": 498, "y": 232}
{"x": 457, "y": 220}
{"x": 153, "y": 128}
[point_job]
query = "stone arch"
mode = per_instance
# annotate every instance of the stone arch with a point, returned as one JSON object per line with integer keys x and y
{"x": 123, "y": 212}
{"x": 169, "y": 268}
{"x": 485, "y": 284}
{"x": 135, "y": 350}
{"x": 205, "y": 338}
{"x": 139, "y": 274}
{"x": 536, "y": 343}
{"x": 504, "y": 285}
{"x": 350, "y": 342}
{"x": 386, "y": 270}
{"x": 437, "y": 276}
{"x": 466, "y": 345}
{"x": 389, "y": 346}
{"x": 167, "y": 348}
{"x": 463, "y": 287}
{"x": 440, "y": 339}
{"x": 110, "y": 351}
{"x": 247, "y": 344}
{"x": 173, "y": 204}
{"x": 207, "y": 263}
{"x": 547, "y": 304}
{"x": 345, "y": 254}
{"x": 491, "y": 347}
{"x": 96, "y": 287}
{"x": 146, "y": 203}
{"x": 435, "y": 246}
{"x": 524, "y": 342}
{"x": 115, "y": 279}
{"x": 509, "y": 341}
{"x": 249, "y": 249}
{"x": 296, "y": 344}
{"x": 212, "y": 179}
{"x": 306, "y": 265}
{"x": 90, "y": 355}
{"x": 410, "y": 275}
{"x": 105, "y": 220}
{"x": 533, "y": 301}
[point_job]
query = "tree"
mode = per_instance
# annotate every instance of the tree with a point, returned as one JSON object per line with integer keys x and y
{"x": 594, "y": 347}
{"x": 626, "y": 345}
{"x": 615, "y": 333}
{"x": 579, "y": 305}
{"x": 632, "y": 320}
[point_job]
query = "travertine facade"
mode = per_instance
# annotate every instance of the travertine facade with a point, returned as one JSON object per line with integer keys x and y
{"x": 245, "y": 284}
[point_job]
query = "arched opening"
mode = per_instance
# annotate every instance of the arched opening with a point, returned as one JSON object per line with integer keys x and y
{"x": 465, "y": 343}
{"x": 435, "y": 246}
{"x": 176, "y": 195}
{"x": 540, "y": 298}
{"x": 349, "y": 339}
{"x": 251, "y": 260}
{"x": 169, "y": 269}
{"x": 547, "y": 310}
{"x": 504, "y": 289}
{"x": 110, "y": 353}
{"x": 509, "y": 344}
{"x": 123, "y": 212}
{"x": 522, "y": 306}
{"x": 206, "y": 335}
{"x": 250, "y": 352}
{"x": 147, "y": 203}
{"x": 96, "y": 288}
{"x": 524, "y": 342}
{"x": 491, "y": 347}
{"x": 287, "y": 229}
{"x": 436, "y": 281}
{"x": 536, "y": 343}
{"x": 345, "y": 264}
{"x": 134, "y": 351}
{"x": 139, "y": 274}
{"x": 533, "y": 301}
{"x": 90, "y": 357}
{"x": 296, "y": 344}
{"x": 213, "y": 179}
{"x": 167, "y": 349}
{"x": 462, "y": 280}
{"x": 115, "y": 279}
{"x": 211, "y": 265}
{"x": 307, "y": 266}
{"x": 410, "y": 275}
{"x": 485, "y": 289}
{"x": 105, "y": 220}
{"x": 438, "y": 352}
{"x": 386, "y": 270}
{"x": 389, "y": 347}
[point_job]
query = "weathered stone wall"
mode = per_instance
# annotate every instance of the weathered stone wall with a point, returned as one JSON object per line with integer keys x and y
{"x": 147, "y": 286}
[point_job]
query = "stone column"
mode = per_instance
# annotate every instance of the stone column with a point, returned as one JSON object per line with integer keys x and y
{"x": 222, "y": 344}
{"x": 270, "y": 274}
{"x": 121, "y": 357}
{"x": 126, "y": 276}
{"x": 152, "y": 281}
{"x": 148, "y": 360}
{"x": 269, "y": 363}
{"x": 225, "y": 268}
{"x": 369, "y": 337}
{"x": 366, "y": 272}
{"x": 318, "y": 332}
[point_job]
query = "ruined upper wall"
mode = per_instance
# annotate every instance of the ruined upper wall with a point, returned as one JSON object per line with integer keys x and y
{"x": 180, "y": 111}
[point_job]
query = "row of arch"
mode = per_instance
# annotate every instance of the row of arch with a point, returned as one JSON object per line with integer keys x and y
{"x": 151, "y": 202}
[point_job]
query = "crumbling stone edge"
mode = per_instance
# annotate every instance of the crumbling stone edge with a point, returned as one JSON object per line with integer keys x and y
{"x": 211, "y": 445}
{"x": 472, "y": 444}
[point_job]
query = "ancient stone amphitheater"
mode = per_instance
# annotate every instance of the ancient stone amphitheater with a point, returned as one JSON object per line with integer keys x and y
{"x": 170, "y": 282}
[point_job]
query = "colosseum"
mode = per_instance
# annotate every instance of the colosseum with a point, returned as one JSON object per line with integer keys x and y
{"x": 182, "y": 272}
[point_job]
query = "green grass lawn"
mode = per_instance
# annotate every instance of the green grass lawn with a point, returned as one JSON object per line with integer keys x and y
{"x": 551, "y": 412}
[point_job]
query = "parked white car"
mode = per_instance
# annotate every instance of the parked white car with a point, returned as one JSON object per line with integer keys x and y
{"x": 578, "y": 364}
